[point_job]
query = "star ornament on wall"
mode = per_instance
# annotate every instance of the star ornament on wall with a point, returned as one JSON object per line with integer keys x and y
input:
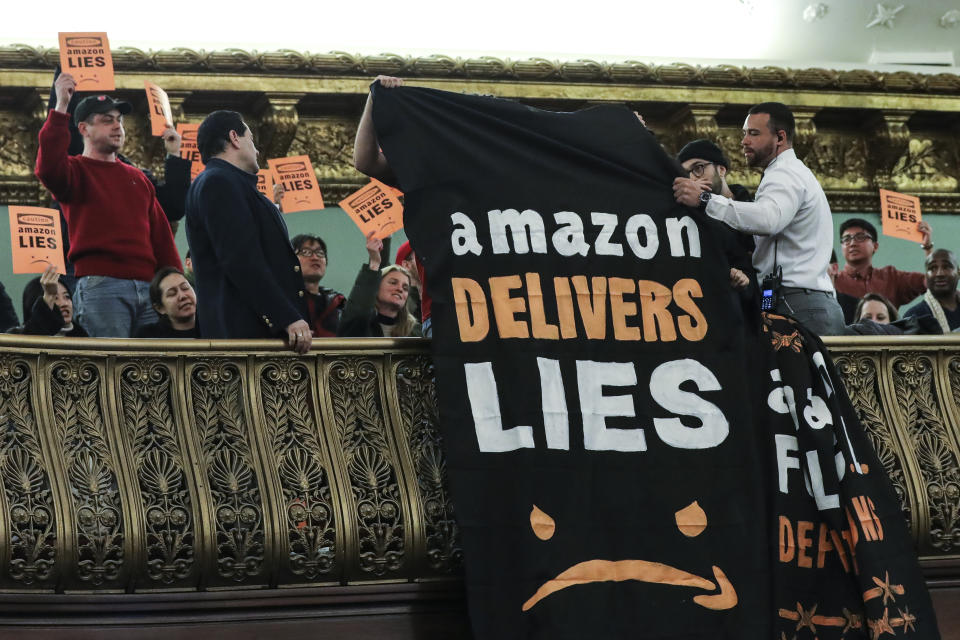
{"x": 814, "y": 12}
{"x": 884, "y": 16}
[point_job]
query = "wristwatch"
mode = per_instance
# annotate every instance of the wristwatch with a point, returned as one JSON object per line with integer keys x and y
{"x": 704, "y": 199}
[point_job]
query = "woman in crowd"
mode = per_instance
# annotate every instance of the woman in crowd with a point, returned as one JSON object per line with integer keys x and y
{"x": 48, "y": 308}
{"x": 377, "y": 305}
{"x": 874, "y": 306}
{"x": 176, "y": 304}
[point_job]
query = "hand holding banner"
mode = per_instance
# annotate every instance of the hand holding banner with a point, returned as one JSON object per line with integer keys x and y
{"x": 375, "y": 208}
{"x": 161, "y": 115}
{"x": 87, "y": 57}
{"x": 901, "y": 215}
{"x": 300, "y": 189}
{"x": 36, "y": 240}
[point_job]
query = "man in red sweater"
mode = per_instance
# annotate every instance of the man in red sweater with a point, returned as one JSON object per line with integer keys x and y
{"x": 859, "y": 241}
{"x": 119, "y": 235}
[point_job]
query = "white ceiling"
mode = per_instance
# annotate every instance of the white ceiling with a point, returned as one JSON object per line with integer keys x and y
{"x": 738, "y": 31}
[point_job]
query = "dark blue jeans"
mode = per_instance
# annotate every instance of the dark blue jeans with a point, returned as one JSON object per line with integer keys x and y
{"x": 112, "y": 307}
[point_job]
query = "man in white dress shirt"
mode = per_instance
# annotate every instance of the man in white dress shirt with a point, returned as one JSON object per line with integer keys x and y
{"x": 790, "y": 218}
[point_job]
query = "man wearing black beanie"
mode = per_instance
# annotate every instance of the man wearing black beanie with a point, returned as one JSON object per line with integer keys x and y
{"x": 704, "y": 160}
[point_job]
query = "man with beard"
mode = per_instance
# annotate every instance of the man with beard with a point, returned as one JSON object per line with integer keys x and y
{"x": 324, "y": 306}
{"x": 790, "y": 219}
{"x": 119, "y": 234}
{"x": 942, "y": 301}
{"x": 704, "y": 160}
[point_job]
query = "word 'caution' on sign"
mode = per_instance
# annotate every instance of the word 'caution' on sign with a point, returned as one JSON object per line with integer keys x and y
{"x": 86, "y": 56}
{"x": 36, "y": 239}
{"x": 301, "y": 192}
{"x": 375, "y": 207}
{"x": 901, "y": 215}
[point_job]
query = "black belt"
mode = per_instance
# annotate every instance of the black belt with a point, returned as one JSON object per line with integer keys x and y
{"x": 829, "y": 294}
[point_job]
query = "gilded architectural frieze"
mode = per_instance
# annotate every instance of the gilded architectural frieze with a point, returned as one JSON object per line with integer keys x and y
{"x": 859, "y": 130}
{"x": 632, "y": 72}
{"x": 329, "y": 143}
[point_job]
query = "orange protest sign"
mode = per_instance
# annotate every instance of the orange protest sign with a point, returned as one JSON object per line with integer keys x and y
{"x": 161, "y": 115}
{"x": 86, "y": 56}
{"x": 265, "y": 183}
{"x": 300, "y": 189}
{"x": 374, "y": 207}
{"x": 188, "y": 148}
{"x": 36, "y": 239}
{"x": 901, "y": 214}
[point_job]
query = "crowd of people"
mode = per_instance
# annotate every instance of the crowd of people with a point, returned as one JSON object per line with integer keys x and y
{"x": 245, "y": 278}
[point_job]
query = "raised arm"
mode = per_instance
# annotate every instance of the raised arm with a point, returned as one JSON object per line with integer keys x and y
{"x": 52, "y": 167}
{"x": 367, "y": 156}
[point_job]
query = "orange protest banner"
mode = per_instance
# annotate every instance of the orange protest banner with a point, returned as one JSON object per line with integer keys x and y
{"x": 901, "y": 214}
{"x": 265, "y": 183}
{"x": 161, "y": 115}
{"x": 86, "y": 56}
{"x": 188, "y": 148}
{"x": 374, "y": 207}
{"x": 300, "y": 189}
{"x": 36, "y": 239}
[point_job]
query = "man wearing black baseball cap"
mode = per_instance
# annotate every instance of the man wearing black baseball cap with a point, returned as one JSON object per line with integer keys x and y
{"x": 119, "y": 235}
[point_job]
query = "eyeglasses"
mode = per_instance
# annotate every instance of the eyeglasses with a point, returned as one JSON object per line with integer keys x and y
{"x": 309, "y": 253}
{"x": 698, "y": 169}
{"x": 857, "y": 237}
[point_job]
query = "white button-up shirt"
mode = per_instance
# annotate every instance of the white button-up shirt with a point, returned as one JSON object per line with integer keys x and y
{"x": 790, "y": 216}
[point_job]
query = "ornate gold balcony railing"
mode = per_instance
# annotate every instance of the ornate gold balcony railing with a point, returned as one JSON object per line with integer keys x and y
{"x": 170, "y": 467}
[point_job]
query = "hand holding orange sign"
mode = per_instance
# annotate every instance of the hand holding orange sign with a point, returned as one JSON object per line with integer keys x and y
{"x": 901, "y": 216}
{"x": 188, "y": 148}
{"x": 36, "y": 239}
{"x": 300, "y": 189}
{"x": 161, "y": 115}
{"x": 86, "y": 56}
{"x": 374, "y": 208}
{"x": 265, "y": 183}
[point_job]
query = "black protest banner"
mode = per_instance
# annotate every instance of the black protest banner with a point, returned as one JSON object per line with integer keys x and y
{"x": 605, "y": 405}
{"x": 844, "y": 567}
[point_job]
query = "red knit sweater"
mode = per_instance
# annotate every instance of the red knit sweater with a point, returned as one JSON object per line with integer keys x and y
{"x": 117, "y": 228}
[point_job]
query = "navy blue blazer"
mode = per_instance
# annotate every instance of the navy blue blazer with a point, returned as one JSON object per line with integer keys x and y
{"x": 247, "y": 276}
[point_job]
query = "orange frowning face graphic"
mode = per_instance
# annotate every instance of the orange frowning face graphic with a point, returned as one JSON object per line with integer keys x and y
{"x": 691, "y": 520}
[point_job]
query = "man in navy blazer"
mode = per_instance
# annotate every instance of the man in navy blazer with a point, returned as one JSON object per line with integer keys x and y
{"x": 248, "y": 278}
